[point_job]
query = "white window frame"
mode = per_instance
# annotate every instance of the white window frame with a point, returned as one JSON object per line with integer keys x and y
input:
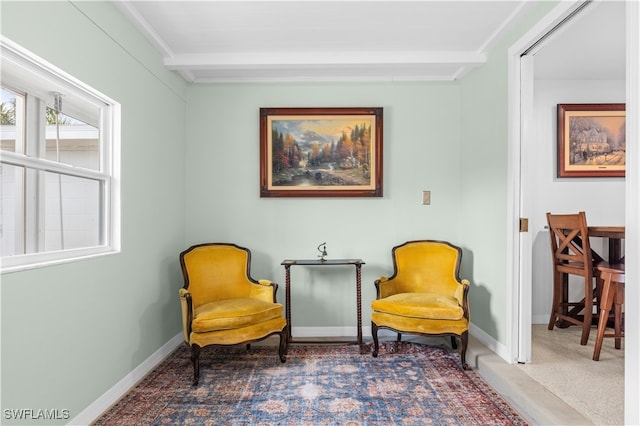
{"x": 36, "y": 74}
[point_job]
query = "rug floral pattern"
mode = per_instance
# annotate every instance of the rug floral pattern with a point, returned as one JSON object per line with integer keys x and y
{"x": 408, "y": 384}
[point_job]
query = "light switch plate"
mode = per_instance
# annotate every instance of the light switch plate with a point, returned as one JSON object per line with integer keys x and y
{"x": 426, "y": 197}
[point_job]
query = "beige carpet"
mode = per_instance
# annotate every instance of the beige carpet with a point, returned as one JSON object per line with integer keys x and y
{"x": 562, "y": 365}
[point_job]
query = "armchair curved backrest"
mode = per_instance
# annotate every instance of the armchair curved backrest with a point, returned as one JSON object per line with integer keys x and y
{"x": 425, "y": 265}
{"x": 217, "y": 271}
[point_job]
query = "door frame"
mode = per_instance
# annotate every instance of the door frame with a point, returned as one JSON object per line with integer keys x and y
{"x": 520, "y": 89}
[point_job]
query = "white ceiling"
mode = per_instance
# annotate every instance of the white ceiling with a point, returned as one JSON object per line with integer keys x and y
{"x": 591, "y": 46}
{"x": 224, "y": 41}
{"x": 210, "y": 41}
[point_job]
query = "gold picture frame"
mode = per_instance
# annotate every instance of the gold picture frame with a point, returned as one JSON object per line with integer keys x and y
{"x": 591, "y": 140}
{"x": 321, "y": 152}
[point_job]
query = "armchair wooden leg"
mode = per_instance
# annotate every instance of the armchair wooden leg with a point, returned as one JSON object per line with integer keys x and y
{"x": 374, "y": 333}
{"x": 195, "y": 359}
{"x": 284, "y": 344}
{"x": 464, "y": 340}
{"x": 399, "y": 338}
{"x": 454, "y": 344}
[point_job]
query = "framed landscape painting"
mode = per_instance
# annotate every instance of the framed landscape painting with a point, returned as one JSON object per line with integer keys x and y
{"x": 321, "y": 152}
{"x": 591, "y": 140}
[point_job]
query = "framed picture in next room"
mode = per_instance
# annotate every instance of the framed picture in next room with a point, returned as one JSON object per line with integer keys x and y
{"x": 591, "y": 140}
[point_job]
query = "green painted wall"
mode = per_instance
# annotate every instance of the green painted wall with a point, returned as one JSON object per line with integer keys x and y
{"x": 421, "y": 152}
{"x": 70, "y": 332}
{"x": 484, "y": 141}
{"x": 446, "y": 137}
{"x": 190, "y": 165}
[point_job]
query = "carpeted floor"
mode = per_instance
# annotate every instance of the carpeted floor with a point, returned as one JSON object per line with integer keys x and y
{"x": 407, "y": 384}
{"x": 565, "y": 367}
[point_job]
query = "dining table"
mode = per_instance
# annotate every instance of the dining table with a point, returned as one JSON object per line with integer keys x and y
{"x": 615, "y": 235}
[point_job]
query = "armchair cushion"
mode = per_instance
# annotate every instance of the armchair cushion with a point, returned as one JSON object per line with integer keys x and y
{"x": 233, "y": 313}
{"x": 420, "y": 305}
{"x": 420, "y": 325}
{"x": 235, "y": 336}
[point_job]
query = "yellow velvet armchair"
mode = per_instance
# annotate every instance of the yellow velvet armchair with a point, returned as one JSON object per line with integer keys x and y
{"x": 223, "y": 305}
{"x": 425, "y": 294}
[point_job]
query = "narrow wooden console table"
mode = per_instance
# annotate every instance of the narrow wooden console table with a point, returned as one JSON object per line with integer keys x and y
{"x": 288, "y": 263}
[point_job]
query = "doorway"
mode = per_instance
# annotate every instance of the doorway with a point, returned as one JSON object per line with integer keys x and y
{"x": 526, "y": 130}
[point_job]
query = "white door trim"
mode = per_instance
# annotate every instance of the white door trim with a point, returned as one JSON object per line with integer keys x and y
{"x": 632, "y": 218}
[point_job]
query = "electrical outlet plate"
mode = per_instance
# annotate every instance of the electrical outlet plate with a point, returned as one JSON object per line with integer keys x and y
{"x": 426, "y": 197}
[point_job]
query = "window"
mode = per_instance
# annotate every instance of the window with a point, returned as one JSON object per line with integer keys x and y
{"x": 59, "y": 147}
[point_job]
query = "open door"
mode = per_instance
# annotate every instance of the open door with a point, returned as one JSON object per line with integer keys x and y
{"x": 527, "y": 180}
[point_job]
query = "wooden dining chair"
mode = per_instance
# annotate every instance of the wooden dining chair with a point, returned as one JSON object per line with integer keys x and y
{"x": 572, "y": 255}
{"x": 612, "y": 296}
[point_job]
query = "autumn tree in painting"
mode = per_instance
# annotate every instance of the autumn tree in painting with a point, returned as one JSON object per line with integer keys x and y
{"x": 286, "y": 153}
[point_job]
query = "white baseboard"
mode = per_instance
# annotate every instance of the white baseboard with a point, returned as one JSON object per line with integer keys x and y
{"x": 336, "y": 332}
{"x": 540, "y": 319}
{"x": 490, "y": 342}
{"x": 99, "y": 406}
{"x": 487, "y": 340}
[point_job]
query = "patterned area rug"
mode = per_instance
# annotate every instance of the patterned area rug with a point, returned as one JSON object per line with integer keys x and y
{"x": 408, "y": 384}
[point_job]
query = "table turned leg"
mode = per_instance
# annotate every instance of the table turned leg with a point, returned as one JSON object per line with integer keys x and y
{"x": 359, "y": 303}
{"x": 288, "y": 297}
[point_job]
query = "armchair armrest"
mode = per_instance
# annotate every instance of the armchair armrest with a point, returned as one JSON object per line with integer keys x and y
{"x": 186, "y": 304}
{"x": 463, "y": 286}
{"x": 264, "y": 290}
{"x": 385, "y": 286}
{"x": 462, "y": 293}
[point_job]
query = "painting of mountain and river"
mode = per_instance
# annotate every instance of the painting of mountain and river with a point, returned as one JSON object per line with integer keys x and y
{"x": 321, "y": 151}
